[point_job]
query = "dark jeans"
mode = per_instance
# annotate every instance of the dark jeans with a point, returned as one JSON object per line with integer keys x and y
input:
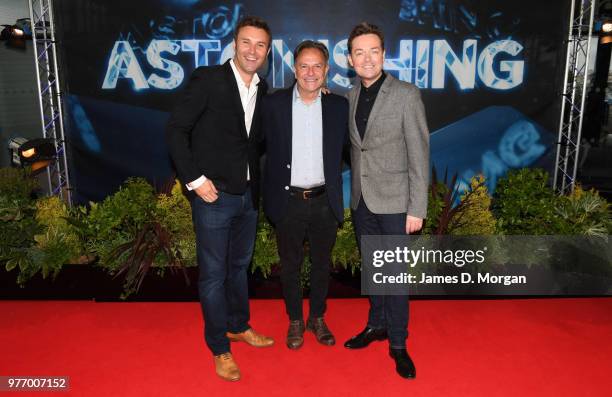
{"x": 312, "y": 219}
{"x": 386, "y": 311}
{"x": 225, "y": 237}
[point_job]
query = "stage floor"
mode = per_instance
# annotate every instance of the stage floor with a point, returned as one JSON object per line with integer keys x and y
{"x": 543, "y": 347}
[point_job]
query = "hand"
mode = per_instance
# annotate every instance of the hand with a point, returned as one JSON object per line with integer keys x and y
{"x": 413, "y": 224}
{"x": 325, "y": 90}
{"x": 207, "y": 191}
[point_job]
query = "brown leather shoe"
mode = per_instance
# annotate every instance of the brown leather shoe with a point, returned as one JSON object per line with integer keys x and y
{"x": 319, "y": 328}
{"x": 252, "y": 338}
{"x": 295, "y": 334}
{"x": 226, "y": 367}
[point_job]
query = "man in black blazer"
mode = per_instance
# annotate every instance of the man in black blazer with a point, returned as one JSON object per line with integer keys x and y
{"x": 305, "y": 133}
{"x": 213, "y": 135}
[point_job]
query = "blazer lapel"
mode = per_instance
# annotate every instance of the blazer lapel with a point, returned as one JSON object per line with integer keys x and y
{"x": 325, "y": 114}
{"x": 231, "y": 79}
{"x": 287, "y": 120}
{"x": 261, "y": 88}
{"x": 353, "y": 99}
{"x": 379, "y": 104}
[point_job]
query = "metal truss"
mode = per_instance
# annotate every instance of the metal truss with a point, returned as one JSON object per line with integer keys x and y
{"x": 49, "y": 94}
{"x": 574, "y": 94}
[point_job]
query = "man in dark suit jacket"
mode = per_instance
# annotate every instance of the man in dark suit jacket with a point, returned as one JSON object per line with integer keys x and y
{"x": 305, "y": 134}
{"x": 390, "y": 175}
{"x": 213, "y": 136}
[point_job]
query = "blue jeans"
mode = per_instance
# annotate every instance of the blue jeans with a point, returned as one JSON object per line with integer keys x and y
{"x": 388, "y": 312}
{"x": 225, "y": 238}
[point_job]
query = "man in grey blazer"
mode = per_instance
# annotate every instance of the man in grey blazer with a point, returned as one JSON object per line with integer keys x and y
{"x": 390, "y": 175}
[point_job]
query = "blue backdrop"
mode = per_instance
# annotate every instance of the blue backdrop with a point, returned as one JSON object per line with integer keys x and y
{"x": 489, "y": 71}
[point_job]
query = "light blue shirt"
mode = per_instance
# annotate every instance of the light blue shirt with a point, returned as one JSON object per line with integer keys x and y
{"x": 307, "y": 143}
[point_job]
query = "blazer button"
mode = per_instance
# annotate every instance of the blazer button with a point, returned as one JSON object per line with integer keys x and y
{"x": 364, "y": 175}
{"x": 364, "y": 150}
{"x": 288, "y": 165}
{"x": 286, "y": 187}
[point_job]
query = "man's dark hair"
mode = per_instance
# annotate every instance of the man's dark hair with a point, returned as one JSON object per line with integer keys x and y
{"x": 311, "y": 44}
{"x": 255, "y": 22}
{"x": 365, "y": 28}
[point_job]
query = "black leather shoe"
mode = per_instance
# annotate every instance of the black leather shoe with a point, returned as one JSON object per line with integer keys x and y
{"x": 365, "y": 337}
{"x": 403, "y": 363}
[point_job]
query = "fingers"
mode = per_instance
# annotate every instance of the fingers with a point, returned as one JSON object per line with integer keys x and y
{"x": 212, "y": 186}
{"x": 413, "y": 224}
{"x": 207, "y": 192}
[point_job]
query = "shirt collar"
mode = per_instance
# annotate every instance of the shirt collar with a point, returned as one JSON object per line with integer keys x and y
{"x": 239, "y": 80}
{"x": 374, "y": 88}
{"x": 297, "y": 98}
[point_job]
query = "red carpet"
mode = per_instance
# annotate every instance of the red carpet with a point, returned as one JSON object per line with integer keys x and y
{"x": 548, "y": 347}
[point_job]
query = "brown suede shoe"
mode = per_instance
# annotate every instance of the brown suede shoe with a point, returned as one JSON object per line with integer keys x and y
{"x": 226, "y": 367}
{"x": 319, "y": 328}
{"x": 252, "y": 338}
{"x": 295, "y": 334}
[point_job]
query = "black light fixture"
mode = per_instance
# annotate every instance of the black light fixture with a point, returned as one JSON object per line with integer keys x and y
{"x": 16, "y": 34}
{"x": 37, "y": 153}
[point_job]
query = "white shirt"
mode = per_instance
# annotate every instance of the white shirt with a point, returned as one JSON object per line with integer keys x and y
{"x": 248, "y": 98}
{"x": 307, "y": 142}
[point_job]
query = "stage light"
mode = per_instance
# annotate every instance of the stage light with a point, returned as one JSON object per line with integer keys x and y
{"x": 36, "y": 153}
{"x": 28, "y": 153}
{"x": 606, "y": 27}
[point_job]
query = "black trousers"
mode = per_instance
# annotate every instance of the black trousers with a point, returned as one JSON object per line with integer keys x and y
{"x": 314, "y": 220}
{"x": 390, "y": 312}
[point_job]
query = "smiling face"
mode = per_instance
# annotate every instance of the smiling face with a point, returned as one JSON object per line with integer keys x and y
{"x": 367, "y": 57}
{"x": 310, "y": 70}
{"x": 251, "y": 48}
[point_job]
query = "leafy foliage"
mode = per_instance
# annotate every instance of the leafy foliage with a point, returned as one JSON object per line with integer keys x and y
{"x": 173, "y": 212}
{"x": 476, "y": 219}
{"x": 442, "y": 212}
{"x": 117, "y": 220}
{"x": 18, "y": 226}
{"x": 17, "y": 184}
{"x": 583, "y": 212}
{"x": 524, "y": 203}
{"x": 152, "y": 243}
{"x": 345, "y": 252}
{"x": 265, "y": 254}
{"x": 136, "y": 230}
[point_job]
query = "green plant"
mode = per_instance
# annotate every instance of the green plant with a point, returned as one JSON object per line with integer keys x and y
{"x": 524, "y": 203}
{"x": 442, "y": 212}
{"x": 476, "y": 218}
{"x": 265, "y": 254}
{"x": 60, "y": 243}
{"x": 18, "y": 227}
{"x": 345, "y": 253}
{"x": 116, "y": 221}
{"x": 18, "y": 224}
{"x": 42, "y": 239}
{"x": 174, "y": 213}
{"x": 583, "y": 212}
{"x": 152, "y": 244}
{"x": 17, "y": 184}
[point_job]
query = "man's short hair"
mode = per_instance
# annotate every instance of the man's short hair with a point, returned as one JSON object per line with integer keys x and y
{"x": 255, "y": 22}
{"x": 311, "y": 44}
{"x": 365, "y": 28}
